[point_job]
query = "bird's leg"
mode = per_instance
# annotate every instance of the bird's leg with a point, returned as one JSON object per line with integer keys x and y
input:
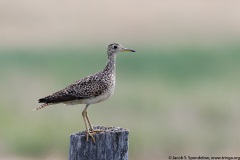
{"x": 84, "y": 114}
{"x": 90, "y": 125}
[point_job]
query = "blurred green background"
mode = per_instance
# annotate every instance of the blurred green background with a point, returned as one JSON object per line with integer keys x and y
{"x": 178, "y": 94}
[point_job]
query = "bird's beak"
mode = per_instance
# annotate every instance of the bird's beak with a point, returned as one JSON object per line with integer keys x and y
{"x": 127, "y": 50}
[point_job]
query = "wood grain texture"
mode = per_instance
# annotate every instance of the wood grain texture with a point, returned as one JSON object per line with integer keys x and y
{"x": 111, "y": 144}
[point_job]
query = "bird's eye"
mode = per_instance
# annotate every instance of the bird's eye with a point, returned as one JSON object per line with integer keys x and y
{"x": 114, "y": 47}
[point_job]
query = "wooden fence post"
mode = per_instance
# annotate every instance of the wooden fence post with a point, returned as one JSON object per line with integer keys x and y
{"x": 111, "y": 144}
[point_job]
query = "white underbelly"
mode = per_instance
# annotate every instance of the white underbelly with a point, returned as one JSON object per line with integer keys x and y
{"x": 92, "y": 100}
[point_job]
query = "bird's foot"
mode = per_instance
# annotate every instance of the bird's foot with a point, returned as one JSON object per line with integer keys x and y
{"x": 91, "y": 134}
{"x": 95, "y": 130}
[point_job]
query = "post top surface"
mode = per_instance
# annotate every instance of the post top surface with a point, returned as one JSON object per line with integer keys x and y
{"x": 105, "y": 129}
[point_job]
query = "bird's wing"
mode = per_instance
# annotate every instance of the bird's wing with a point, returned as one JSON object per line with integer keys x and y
{"x": 57, "y": 97}
{"x": 83, "y": 89}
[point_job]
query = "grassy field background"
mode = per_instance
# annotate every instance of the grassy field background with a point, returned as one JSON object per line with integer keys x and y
{"x": 177, "y": 101}
{"x": 178, "y": 94}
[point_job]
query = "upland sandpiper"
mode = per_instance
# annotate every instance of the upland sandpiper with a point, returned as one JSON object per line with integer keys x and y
{"x": 89, "y": 90}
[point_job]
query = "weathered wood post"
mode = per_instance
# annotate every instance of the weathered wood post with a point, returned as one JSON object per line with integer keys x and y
{"x": 111, "y": 144}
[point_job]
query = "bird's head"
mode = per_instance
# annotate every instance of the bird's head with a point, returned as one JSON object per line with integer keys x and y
{"x": 116, "y": 48}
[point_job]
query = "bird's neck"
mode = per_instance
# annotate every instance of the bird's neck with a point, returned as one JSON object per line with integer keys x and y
{"x": 111, "y": 64}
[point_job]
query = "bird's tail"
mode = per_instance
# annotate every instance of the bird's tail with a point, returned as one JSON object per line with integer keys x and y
{"x": 42, "y": 106}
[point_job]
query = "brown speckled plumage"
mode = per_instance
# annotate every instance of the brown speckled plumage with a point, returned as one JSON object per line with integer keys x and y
{"x": 86, "y": 88}
{"x": 91, "y": 89}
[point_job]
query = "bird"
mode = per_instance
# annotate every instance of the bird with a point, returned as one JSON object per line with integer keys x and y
{"x": 89, "y": 90}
